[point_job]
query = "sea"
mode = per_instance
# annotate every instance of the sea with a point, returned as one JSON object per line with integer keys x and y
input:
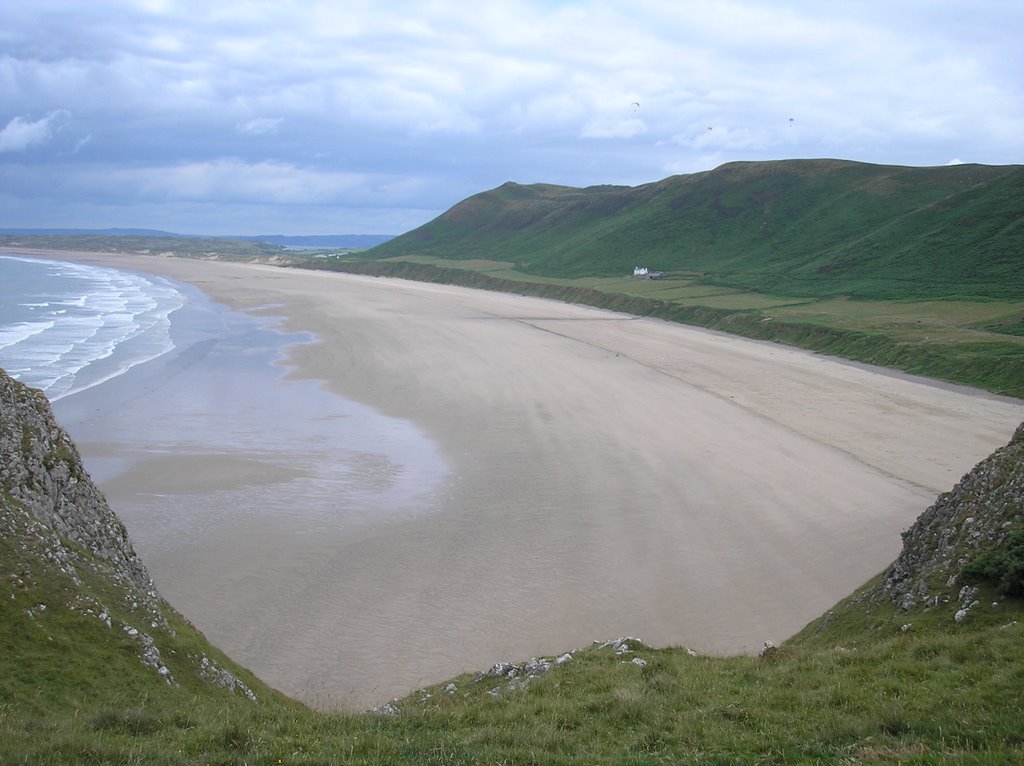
{"x": 156, "y": 367}
{"x": 65, "y": 327}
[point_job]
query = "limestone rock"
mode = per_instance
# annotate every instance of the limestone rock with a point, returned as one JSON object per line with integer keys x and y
{"x": 977, "y": 515}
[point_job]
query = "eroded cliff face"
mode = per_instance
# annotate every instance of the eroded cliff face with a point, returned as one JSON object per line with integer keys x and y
{"x": 975, "y": 517}
{"x": 40, "y": 470}
{"x": 65, "y": 554}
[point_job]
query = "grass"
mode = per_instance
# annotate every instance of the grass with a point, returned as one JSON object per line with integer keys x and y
{"x": 943, "y": 694}
{"x": 808, "y": 228}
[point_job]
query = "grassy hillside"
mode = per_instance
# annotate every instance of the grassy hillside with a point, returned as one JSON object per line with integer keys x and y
{"x": 808, "y": 228}
{"x": 924, "y": 665}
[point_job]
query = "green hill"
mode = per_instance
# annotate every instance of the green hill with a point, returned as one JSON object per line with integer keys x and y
{"x": 799, "y": 227}
{"x": 924, "y": 665}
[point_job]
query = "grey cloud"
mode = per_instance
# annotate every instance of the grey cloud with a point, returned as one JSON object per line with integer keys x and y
{"x": 333, "y": 110}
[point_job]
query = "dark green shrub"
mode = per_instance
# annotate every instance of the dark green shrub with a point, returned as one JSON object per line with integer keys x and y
{"x": 1003, "y": 567}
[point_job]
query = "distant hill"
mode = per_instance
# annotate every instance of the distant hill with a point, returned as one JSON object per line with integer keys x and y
{"x": 324, "y": 241}
{"x": 813, "y": 228}
{"x": 313, "y": 241}
{"x": 116, "y": 232}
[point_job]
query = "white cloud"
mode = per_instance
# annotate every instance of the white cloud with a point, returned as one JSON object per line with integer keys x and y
{"x": 21, "y": 133}
{"x": 81, "y": 143}
{"x": 260, "y": 126}
{"x": 312, "y": 100}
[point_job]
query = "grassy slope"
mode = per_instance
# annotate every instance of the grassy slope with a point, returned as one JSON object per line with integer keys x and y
{"x": 864, "y": 692}
{"x": 803, "y": 228}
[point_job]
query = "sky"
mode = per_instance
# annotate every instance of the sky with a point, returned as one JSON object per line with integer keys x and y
{"x": 313, "y": 117}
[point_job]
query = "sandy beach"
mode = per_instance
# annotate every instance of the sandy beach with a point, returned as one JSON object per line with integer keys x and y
{"x": 529, "y": 477}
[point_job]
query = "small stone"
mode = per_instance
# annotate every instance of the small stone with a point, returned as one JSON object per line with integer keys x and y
{"x": 639, "y": 662}
{"x": 563, "y": 659}
{"x": 960, "y": 616}
{"x": 451, "y": 688}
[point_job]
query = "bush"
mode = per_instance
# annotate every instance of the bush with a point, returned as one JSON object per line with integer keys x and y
{"x": 1003, "y": 567}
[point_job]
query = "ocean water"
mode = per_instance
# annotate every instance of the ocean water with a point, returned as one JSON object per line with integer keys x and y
{"x": 65, "y": 327}
{"x": 188, "y": 381}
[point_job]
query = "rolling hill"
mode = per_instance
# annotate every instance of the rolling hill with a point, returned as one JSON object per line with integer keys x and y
{"x": 812, "y": 228}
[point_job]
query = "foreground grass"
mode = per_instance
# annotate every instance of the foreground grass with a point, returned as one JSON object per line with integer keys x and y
{"x": 938, "y": 692}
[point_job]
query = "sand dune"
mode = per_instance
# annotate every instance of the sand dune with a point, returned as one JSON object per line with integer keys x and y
{"x": 602, "y": 475}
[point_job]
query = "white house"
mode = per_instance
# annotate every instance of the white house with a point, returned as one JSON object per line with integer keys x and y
{"x": 645, "y": 273}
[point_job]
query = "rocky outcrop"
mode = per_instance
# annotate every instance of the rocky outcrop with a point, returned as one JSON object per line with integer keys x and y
{"x": 41, "y": 471}
{"x": 62, "y": 548}
{"x": 977, "y": 516}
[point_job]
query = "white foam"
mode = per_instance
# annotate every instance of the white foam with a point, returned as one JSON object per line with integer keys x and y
{"x": 89, "y": 324}
{"x": 22, "y": 331}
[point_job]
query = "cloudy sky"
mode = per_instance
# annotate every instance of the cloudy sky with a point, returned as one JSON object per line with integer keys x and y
{"x": 317, "y": 117}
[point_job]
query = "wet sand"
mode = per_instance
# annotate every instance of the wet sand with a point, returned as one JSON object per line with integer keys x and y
{"x": 586, "y": 475}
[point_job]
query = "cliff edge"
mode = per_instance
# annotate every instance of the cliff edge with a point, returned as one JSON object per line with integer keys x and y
{"x": 41, "y": 475}
{"x": 980, "y": 515}
{"x": 79, "y": 611}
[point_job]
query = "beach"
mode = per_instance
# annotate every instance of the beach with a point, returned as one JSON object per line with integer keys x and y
{"x": 514, "y": 478}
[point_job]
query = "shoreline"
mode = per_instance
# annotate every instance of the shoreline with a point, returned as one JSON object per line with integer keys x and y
{"x": 609, "y": 475}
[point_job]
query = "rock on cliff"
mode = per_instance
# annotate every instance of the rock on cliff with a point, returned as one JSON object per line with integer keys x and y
{"x": 41, "y": 471}
{"x": 977, "y": 516}
{"x": 66, "y": 561}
